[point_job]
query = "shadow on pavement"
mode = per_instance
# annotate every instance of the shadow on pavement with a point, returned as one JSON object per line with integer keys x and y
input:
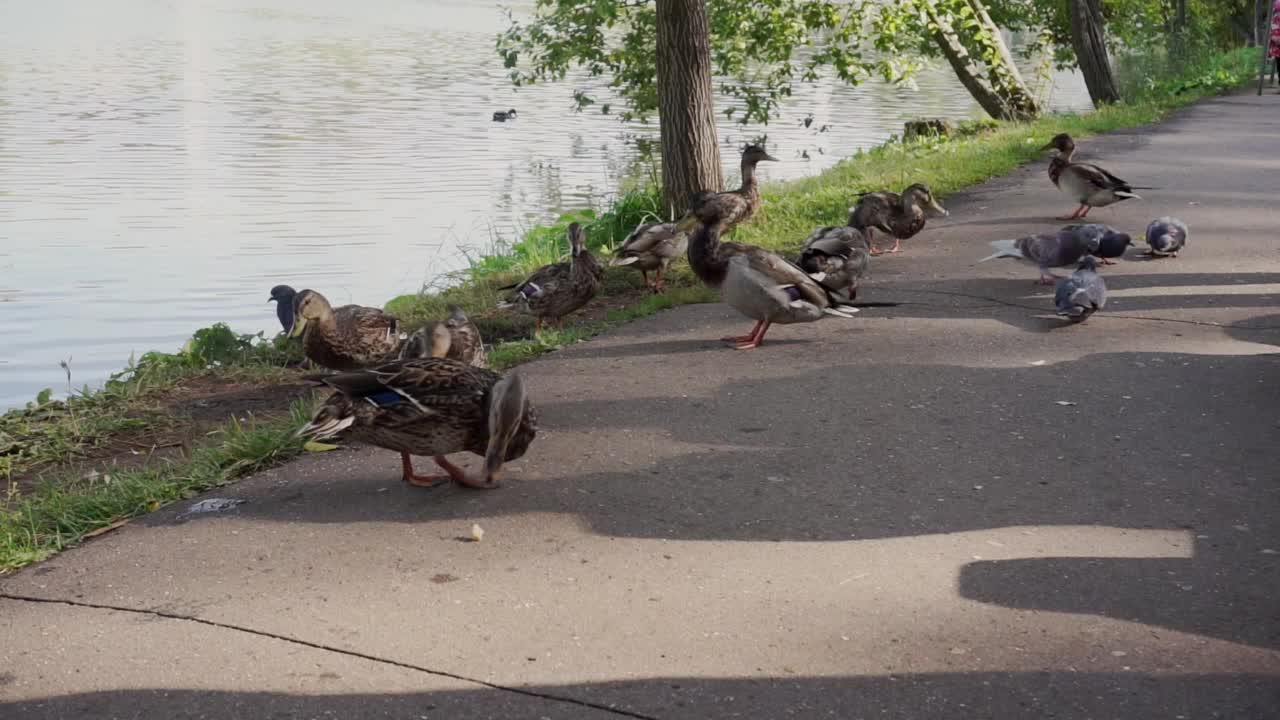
{"x": 1190, "y": 447}
{"x": 1006, "y": 696}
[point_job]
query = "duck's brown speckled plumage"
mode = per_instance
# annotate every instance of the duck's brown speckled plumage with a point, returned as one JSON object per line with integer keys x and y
{"x": 431, "y": 406}
{"x": 732, "y": 207}
{"x": 556, "y": 290}
{"x": 651, "y": 247}
{"x": 841, "y": 253}
{"x": 465, "y": 344}
{"x": 344, "y": 338}
{"x": 899, "y": 215}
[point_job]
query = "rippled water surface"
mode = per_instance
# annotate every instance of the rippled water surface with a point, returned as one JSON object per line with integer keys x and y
{"x": 163, "y": 163}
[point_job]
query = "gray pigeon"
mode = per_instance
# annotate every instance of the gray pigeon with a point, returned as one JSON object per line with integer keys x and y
{"x": 1080, "y": 295}
{"x": 1166, "y": 236}
{"x": 1056, "y": 249}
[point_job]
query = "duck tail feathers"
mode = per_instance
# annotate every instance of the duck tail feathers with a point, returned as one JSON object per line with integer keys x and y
{"x": 325, "y": 426}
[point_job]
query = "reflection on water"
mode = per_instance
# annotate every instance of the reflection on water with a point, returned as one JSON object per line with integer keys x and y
{"x": 163, "y": 164}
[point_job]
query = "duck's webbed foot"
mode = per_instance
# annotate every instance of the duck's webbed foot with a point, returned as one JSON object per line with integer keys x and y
{"x": 419, "y": 480}
{"x": 459, "y": 476}
{"x": 738, "y": 339}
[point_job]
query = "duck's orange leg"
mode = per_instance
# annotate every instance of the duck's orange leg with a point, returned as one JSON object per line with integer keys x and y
{"x": 419, "y": 480}
{"x": 756, "y": 339}
{"x": 737, "y": 339}
{"x": 1077, "y": 214}
{"x": 459, "y": 475}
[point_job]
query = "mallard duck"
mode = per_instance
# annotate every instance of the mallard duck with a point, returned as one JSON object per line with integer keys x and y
{"x": 1087, "y": 184}
{"x": 838, "y": 257}
{"x": 899, "y": 215}
{"x": 282, "y": 296}
{"x": 651, "y": 247}
{"x": 456, "y": 338}
{"x": 1166, "y": 236}
{"x": 1082, "y": 294}
{"x": 757, "y": 283}
{"x": 556, "y": 290}
{"x": 501, "y": 116}
{"x": 345, "y": 338}
{"x": 734, "y": 207}
{"x": 430, "y": 340}
{"x": 432, "y": 406}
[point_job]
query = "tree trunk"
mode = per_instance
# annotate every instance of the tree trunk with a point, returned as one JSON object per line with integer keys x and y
{"x": 996, "y": 83}
{"x": 1089, "y": 38}
{"x": 686, "y": 108}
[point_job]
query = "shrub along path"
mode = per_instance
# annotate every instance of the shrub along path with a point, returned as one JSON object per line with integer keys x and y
{"x": 953, "y": 507}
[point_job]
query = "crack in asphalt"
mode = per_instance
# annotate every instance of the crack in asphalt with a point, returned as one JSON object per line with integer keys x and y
{"x": 329, "y": 648}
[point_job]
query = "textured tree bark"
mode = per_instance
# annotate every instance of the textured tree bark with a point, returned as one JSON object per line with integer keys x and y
{"x": 1089, "y": 38}
{"x": 686, "y": 107}
{"x": 996, "y": 84}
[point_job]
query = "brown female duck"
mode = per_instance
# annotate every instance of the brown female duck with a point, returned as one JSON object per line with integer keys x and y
{"x": 456, "y": 338}
{"x": 651, "y": 247}
{"x": 556, "y": 290}
{"x": 431, "y": 406}
{"x": 837, "y": 257}
{"x": 734, "y": 207}
{"x": 344, "y": 338}
{"x": 899, "y": 215}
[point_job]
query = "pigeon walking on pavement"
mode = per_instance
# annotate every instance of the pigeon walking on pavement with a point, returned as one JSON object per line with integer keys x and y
{"x": 1166, "y": 236}
{"x": 1057, "y": 249}
{"x": 1082, "y": 294}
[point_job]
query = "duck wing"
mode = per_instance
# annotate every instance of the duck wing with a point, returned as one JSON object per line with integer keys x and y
{"x": 369, "y": 324}
{"x": 657, "y": 238}
{"x": 834, "y": 240}
{"x": 786, "y": 273}
{"x": 875, "y": 209}
{"x": 409, "y": 391}
{"x": 1097, "y": 177}
{"x": 544, "y": 281}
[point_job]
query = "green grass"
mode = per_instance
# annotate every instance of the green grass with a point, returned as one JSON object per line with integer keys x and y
{"x": 58, "y": 513}
{"x": 51, "y": 431}
{"x": 513, "y": 352}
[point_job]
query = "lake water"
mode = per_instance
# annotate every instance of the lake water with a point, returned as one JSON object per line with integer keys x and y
{"x": 163, "y": 163}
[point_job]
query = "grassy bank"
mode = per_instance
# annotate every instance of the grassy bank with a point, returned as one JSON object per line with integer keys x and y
{"x": 155, "y": 432}
{"x": 159, "y": 431}
{"x": 59, "y": 513}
